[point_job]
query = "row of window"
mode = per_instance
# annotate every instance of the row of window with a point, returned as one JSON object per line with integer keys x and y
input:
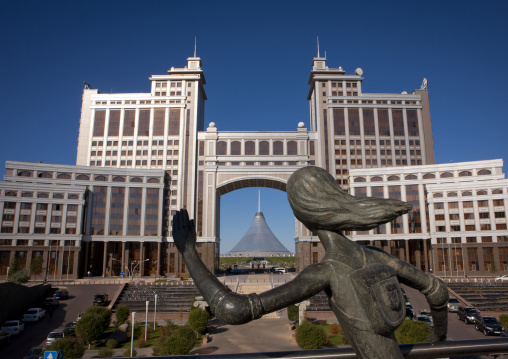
{"x": 263, "y": 150}
{"x": 138, "y": 143}
{"x": 27, "y": 194}
{"x": 138, "y": 153}
{"x": 482, "y": 172}
{"x": 469, "y": 204}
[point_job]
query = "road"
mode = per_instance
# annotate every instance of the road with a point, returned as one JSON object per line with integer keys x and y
{"x": 80, "y": 298}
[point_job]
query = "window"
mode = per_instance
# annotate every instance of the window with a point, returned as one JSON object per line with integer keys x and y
{"x": 250, "y": 148}
{"x": 465, "y": 174}
{"x": 278, "y": 148}
{"x": 222, "y": 148}
{"x": 393, "y": 178}
{"x": 484, "y": 172}
{"x": 446, "y": 175}
{"x": 429, "y": 176}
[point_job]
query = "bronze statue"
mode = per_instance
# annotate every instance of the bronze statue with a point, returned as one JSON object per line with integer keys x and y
{"x": 362, "y": 283}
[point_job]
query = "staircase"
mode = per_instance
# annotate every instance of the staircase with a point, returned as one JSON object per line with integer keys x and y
{"x": 170, "y": 298}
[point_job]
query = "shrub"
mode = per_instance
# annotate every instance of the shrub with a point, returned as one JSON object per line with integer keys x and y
{"x": 72, "y": 347}
{"x": 20, "y": 276}
{"x": 412, "y": 332}
{"x": 345, "y": 340}
{"x": 180, "y": 342}
{"x": 309, "y": 336}
{"x": 334, "y": 328}
{"x": 127, "y": 353}
{"x": 111, "y": 343}
{"x": 503, "y": 318}
{"x": 198, "y": 320}
{"x": 122, "y": 314}
{"x": 141, "y": 343}
{"x": 293, "y": 313}
{"x": 105, "y": 353}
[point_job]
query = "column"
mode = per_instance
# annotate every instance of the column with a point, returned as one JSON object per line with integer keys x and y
{"x": 122, "y": 264}
{"x": 408, "y": 259}
{"x": 141, "y": 259}
{"x": 104, "y": 258}
{"x": 157, "y": 269}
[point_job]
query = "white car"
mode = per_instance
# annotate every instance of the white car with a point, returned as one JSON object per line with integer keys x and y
{"x": 57, "y": 334}
{"x": 502, "y": 278}
{"x": 34, "y": 315}
{"x": 13, "y": 327}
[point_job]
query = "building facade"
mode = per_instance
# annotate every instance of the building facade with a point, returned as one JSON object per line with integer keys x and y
{"x": 152, "y": 150}
{"x": 458, "y": 222}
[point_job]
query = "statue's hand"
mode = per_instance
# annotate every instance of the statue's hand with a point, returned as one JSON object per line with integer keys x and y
{"x": 184, "y": 232}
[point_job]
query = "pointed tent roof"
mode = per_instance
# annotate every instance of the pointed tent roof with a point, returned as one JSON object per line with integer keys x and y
{"x": 259, "y": 241}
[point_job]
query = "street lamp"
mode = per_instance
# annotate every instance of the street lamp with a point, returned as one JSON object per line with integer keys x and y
{"x": 137, "y": 264}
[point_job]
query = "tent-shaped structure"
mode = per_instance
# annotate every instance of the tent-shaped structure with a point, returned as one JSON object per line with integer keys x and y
{"x": 259, "y": 241}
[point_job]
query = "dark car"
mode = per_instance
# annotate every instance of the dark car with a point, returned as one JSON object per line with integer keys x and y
{"x": 5, "y": 338}
{"x": 61, "y": 294}
{"x": 51, "y": 302}
{"x": 488, "y": 325}
{"x": 467, "y": 314}
{"x": 70, "y": 328}
{"x": 100, "y": 299}
{"x": 34, "y": 353}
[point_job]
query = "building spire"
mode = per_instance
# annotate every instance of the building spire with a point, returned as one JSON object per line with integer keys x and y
{"x": 195, "y": 45}
{"x": 318, "y": 47}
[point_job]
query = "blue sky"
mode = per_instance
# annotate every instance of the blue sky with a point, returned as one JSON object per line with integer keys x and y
{"x": 257, "y": 58}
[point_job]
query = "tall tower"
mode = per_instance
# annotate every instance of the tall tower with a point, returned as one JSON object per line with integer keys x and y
{"x": 366, "y": 130}
{"x": 156, "y": 130}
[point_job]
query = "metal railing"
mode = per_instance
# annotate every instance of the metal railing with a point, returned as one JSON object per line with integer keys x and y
{"x": 446, "y": 349}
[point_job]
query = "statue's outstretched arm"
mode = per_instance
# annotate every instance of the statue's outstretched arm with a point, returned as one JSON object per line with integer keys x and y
{"x": 433, "y": 288}
{"x": 231, "y": 307}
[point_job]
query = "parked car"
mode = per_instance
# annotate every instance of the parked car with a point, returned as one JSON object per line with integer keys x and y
{"x": 61, "y": 294}
{"x": 425, "y": 319}
{"x": 13, "y": 327}
{"x": 453, "y": 304}
{"x": 410, "y": 311}
{"x": 467, "y": 314}
{"x": 34, "y": 353}
{"x": 425, "y": 312}
{"x": 55, "y": 335}
{"x": 70, "y": 328}
{"x": 503, "y": 278}
{"x": 278, "y": 270}
{"x": 100, "y": 299}
{"x": 34, "y": 315}
{"x": 488, "y": 325}
{"x": 5, "y": 338}
{"x": 51, "y": 302}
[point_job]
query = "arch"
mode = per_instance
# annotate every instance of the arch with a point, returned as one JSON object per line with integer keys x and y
{"x": 245, "y": 182}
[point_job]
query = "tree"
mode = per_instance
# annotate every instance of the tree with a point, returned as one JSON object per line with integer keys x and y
{"x": 36, "y": 265}
{"x": 93, "y": 323}
{"x": 198, "y": 320}
{"x": 122, "y": 314}
{"x": 14, "y": 265}
{"x": 72, "y": 347}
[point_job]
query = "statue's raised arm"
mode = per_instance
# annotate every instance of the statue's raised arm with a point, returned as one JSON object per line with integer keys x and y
{"x": 233, "y": 308}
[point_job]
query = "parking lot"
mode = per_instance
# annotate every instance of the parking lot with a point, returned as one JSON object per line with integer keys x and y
{"x": 80, "y": 298}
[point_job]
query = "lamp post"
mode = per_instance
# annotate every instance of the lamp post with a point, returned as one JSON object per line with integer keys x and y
{"x": 146, "y": 320}
{"x": 155, "y": 313}
{"x": 132, "y": 334}
{"x": 137, "y": 264}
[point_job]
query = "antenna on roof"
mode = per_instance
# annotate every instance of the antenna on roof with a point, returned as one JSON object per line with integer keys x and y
{"x": 259, "y": 201}
{"x": 318, "y": 47}
{"x": 195, "y": 45}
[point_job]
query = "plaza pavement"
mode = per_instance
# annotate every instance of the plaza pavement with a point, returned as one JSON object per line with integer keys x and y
{"x": 263, "y": 335}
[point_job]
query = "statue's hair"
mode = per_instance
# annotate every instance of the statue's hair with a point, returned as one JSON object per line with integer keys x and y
{"x": 320, "y": 203}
